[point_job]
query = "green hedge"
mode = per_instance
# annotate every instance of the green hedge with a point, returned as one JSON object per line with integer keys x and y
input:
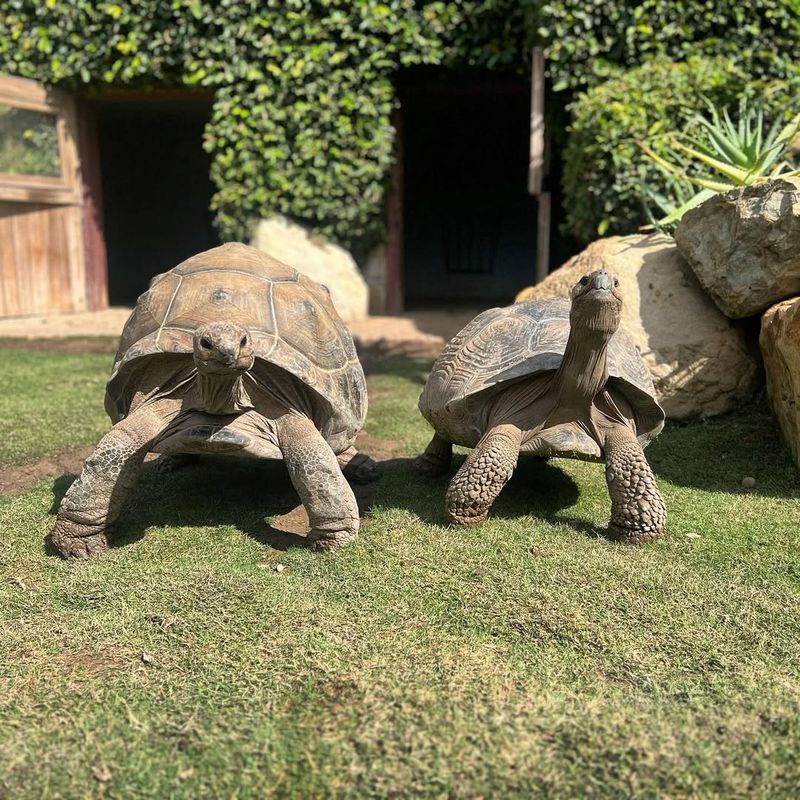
{"x": 303, "y": 94}
{"x": 592, "y": 40}
{"x": 603, "y": 167}
{"x": 301, "y": 122}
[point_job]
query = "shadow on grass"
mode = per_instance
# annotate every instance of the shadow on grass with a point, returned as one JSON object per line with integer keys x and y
{"x": 242, "y": 492}
{"x": 538, "y": 488}
{"x": 717, "y": 453}
{"x": 214, "y": 491}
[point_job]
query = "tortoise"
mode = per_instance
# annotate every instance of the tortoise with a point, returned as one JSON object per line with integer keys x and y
{"x": 230, "y": 352}
{"x": 548, "y": 378}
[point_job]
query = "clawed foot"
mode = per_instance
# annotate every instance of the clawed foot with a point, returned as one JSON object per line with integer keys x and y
{"x": 632, "y": 536}
{"x": 464, "y": 518}
{"x": 431, "y": 466}
{"x": 323, "y": 541}
{"x": 166, "y": 464}
{"x": 72, "y": 546}
{"x": 359, "y": 468}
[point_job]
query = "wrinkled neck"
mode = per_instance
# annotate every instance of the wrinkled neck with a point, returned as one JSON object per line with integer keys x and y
{"x": 584, "y": 367}
{"x": 222, "y": 393}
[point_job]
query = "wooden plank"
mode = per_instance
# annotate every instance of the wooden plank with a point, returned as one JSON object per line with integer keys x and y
{"x": 41, "y": 239}
{"x": 94, "y": 245}
{"x": 9, "y": 289}
{"x": 537, "y": 144}
{"x": 394, "y": 214}
{"x": 543, "y": 237}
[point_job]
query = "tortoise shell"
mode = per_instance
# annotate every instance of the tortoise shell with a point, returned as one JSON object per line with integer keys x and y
{"x": 291, "y": 320}
{"x": 505, "y": 345}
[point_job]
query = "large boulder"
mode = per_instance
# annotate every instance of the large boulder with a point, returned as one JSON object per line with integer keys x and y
{"x": 699, "y": 360}
{"x": 744, "y": 245}
{"x": 326, "y": 263}
{"x": 780, "y": 346}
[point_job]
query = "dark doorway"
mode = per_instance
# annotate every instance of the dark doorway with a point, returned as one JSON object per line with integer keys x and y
{"x": 156, "y": 188}
{"x": 469, "y": 222}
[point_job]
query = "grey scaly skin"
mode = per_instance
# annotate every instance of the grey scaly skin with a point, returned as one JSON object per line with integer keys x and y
{"x": 574, "y": 397}
{"x": 108, "y": 477}
{"x": 222, "y": 354}
{"x": 318, "y": 479}
{"x": 638, "y": 514}
{"x": 485, "y": 472}
{"x": 436, "y": 459}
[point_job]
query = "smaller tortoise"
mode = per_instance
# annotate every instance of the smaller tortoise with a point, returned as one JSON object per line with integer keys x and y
{"x": 230, "y": 352}
{"x": 550, "y": 379}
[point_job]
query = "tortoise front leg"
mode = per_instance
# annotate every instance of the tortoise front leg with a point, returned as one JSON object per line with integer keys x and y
{"x": 318, "y": 479}
{"x": 108, "y": 477}
{"x": 481, "y": 477}
{"x": 436, "y": 459}
{"x": 358, "y": 467}
{"x": 637, "y": 509}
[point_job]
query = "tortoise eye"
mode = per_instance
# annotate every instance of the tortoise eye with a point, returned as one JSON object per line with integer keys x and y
{"x": 205, "y": 343}
{"x": 584, "y": 280}
{"x": 616, "y": 281}
{"x": 243, "y": 342}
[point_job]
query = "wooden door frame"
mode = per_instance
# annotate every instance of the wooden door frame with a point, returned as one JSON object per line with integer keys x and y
{"x": 96, "y": 258}
{"x": 395, "y": 290}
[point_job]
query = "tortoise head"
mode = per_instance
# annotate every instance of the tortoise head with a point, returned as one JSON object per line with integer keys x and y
{"x": 596, "y": 304}
{"x": 222, "y": 347}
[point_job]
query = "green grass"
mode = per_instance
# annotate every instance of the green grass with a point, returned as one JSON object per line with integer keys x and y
{"x": 526, "y": 658}
{"x": 50, "y": 402}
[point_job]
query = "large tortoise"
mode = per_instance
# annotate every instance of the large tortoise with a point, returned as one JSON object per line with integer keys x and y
{"x": 229, "y": 352}
{"x": 548, "y": 378}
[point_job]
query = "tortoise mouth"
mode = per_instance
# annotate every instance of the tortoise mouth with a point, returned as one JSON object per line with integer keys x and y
{"x": 215, "y": 366}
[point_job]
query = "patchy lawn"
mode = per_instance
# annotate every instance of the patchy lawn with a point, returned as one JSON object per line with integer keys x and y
{"x": 529, "y": 657}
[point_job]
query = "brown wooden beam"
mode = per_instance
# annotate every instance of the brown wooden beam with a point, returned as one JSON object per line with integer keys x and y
{"x": 94, "y": 245}
{"x": 394, "y": 222}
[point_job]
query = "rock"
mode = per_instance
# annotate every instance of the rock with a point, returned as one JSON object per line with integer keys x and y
{"x": 744, "y": 245}
{"x": 698, "y": 359}
{"x": 780, "y": 346}
{"x": 323, "y": 261}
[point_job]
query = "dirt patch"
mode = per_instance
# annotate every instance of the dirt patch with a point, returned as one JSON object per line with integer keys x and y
{"x": 295, "y": 522}
{"x": 82, "y": 344}
{"x": 379, "y": 448}
{"x": 19, "y": 478}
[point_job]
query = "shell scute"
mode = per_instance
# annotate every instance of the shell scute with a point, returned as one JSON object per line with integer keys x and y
{"x": 290, "y": 317}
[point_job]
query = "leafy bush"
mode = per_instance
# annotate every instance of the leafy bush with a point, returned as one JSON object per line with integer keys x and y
{"x": 716, "y": 153}
{"x": 592, "y": 40}
{"x": 604, "y": 168}
{"x": 303, "y": 98}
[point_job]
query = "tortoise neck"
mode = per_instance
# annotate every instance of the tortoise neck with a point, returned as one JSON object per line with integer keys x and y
{"x": 584, "y": 367}
{"x": 222, "y": 393}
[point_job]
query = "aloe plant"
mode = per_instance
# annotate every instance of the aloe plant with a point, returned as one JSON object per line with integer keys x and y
{"x": 715, "y": 154}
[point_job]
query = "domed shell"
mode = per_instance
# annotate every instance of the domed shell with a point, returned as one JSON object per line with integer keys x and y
{"x": 291, "y": 320}
{"x": 504, "y": 345}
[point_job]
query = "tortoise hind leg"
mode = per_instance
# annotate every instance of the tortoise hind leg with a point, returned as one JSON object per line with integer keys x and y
{"x": 169, "y": 463}
{"x": 637, "y": 509}
{"x": 316, "y": 475}
{"x": 481, "y": 477}
{"x": 358, "y": 467}
{"x": 436, "y": 459}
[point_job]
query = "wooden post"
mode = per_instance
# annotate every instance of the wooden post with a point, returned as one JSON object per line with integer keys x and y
{"x": 94, "y": 245}
{"x": 394, "y": 222}
{"x": 536, "y": 165}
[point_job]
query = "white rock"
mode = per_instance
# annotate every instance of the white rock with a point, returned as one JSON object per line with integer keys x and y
{"x": 780, "y": 346}
{"x": 744, "y": 245}
{"x": 698, "y": 359}
{"x": 323, "y": 261}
